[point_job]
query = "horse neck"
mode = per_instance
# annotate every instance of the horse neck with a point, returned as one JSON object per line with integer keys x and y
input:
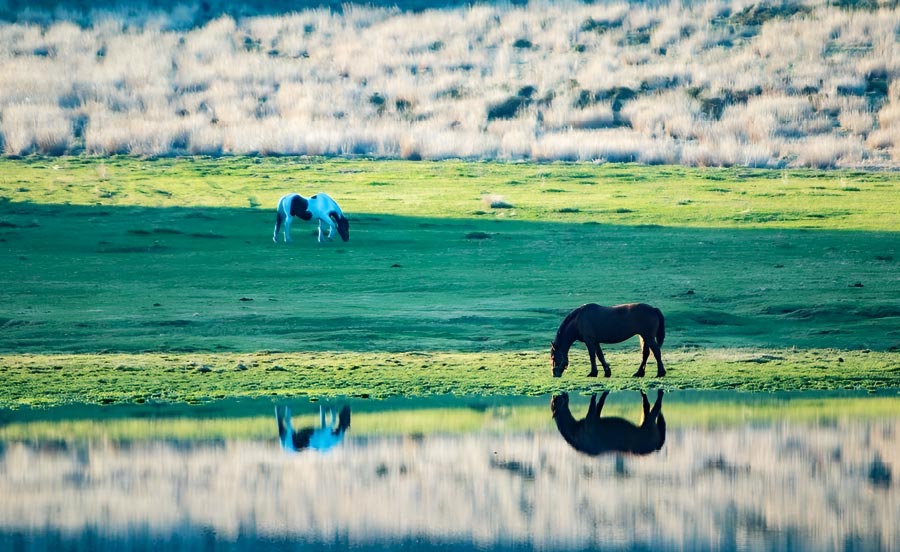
{"x": 565, "y": 423}
{"x": 566, "y": 336}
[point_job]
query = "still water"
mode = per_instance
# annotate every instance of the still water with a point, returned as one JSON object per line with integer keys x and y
{"x": 707, "y": 471}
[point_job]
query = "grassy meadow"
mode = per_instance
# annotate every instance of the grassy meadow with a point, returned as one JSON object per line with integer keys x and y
{"x": 133, "y": 280}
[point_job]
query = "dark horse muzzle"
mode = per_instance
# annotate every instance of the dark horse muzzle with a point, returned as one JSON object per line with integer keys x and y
{"x": 557, "y": 364}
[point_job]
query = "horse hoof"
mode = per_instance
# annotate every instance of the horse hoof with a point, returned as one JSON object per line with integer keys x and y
{"x": 660, "y": 374}
{"x": 592, "y": 375}
{"x": 638, "y": 375}
{"x": 607, "y": 374}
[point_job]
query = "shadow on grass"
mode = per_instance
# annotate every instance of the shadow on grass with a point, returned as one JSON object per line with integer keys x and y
{"x": 132, "y": 279}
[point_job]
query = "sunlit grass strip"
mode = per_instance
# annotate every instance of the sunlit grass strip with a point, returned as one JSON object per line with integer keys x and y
{"x": 52, "y": 380}
{"x": 613, "y": 193}
{"x": 451, "y": 421}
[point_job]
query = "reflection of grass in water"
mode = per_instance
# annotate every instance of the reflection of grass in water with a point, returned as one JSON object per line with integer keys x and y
{"x": 748, "y": 409}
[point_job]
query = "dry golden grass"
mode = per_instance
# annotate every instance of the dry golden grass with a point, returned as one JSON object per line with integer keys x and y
{"x": 726, "y": 82}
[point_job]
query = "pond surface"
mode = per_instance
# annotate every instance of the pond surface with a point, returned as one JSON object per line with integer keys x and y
{"x": 715, "y": 471}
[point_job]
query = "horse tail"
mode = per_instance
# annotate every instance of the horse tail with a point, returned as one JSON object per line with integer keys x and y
{"x": 661, "y": 330}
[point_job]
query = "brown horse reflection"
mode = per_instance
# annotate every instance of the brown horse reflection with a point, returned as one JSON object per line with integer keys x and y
{"x": 595, "y": 435}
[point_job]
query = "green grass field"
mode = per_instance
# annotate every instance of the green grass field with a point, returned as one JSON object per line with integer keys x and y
{"x": 131, "y": 280}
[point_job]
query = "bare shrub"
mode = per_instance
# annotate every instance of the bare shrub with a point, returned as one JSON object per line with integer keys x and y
{"x": 825, "y": 152}
{"x": 614, "y": 145}
{"x": 28, "y": 128}
{"x": 116, "y": 133}
{"x": 728, "y": 153}
{"x": 516, "y": 144}
{"x": 883, "y": 139}
{"x": 889, "y": 116}
{"x": 670, "y": 113}
{"x": 856, "y": 122}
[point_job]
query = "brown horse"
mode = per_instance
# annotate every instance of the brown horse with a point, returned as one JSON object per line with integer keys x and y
{"x": 594, "y": 325}
{"x": 595, "y": 435}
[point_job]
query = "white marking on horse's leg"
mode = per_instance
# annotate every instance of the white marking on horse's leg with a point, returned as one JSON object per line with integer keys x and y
{"x": 288, "y": 424}
{"x": 645, "y": 353}
{"x": 287, "y": 229}
{"x": 279, "y": 220}
{"x": 320, "y": 232}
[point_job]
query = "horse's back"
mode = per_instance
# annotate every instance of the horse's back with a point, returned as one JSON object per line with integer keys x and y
{"x": 623, "y": 309}
{"x": 322, "y": 204}
{"x": 612, "y": 434}
{"x": 615, "y": 324}
{"x": 638, "y": 309}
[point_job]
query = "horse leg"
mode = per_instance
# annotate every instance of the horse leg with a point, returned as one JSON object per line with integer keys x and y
{"x": 287, "y": 228}
{"x": 645, "y": 408}
{"x": 320, "y": 232}
{"x": 601, "y": 402}
{"x": 606, "y": 370}
{"x": 592, "y": 352}
{"x": 282, "y": 430}
{"x": 592, "y": 408}
{"x": 657, "y": 354}
{"x": 279, "y": 220}
{"x": 657, "y": 406}
{"x": 645, "y": 351}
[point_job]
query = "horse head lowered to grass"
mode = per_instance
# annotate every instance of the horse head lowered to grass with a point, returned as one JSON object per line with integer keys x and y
{"x": 594, "y": 324}
{"x": 596, "y": 435}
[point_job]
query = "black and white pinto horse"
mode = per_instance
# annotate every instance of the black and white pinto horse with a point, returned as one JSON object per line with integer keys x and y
{"x": 320, "y": 207}
{"x": 322, "y": 438}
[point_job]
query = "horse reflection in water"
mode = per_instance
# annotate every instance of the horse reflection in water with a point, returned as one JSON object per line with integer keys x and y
{"x": 595, "y": 435}
{"x": 323, "y": 438}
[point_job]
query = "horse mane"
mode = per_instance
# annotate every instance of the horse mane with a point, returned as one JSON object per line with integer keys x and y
{"x": 569, "y": 317}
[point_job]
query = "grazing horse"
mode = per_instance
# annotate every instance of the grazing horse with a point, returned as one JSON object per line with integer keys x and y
{"x": 323, "y": 438}
{"x": 320, "y": 207}
{"x": 594, "y": 325}
{"x": 595, "y": 435}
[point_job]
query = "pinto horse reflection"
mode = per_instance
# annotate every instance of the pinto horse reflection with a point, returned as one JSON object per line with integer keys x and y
{"x": 323, "y": 438}
{"x": 595, "y": 435}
